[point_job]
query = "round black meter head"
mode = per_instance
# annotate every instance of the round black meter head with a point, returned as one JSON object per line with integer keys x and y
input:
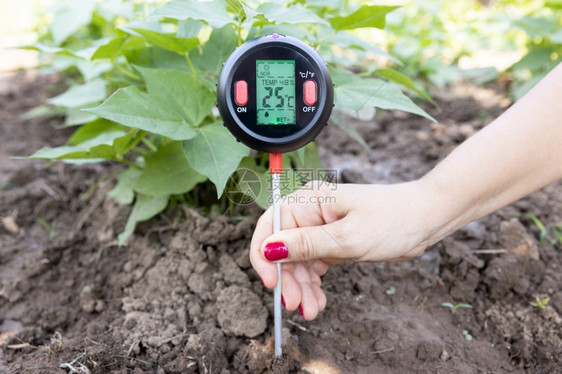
{"x": 275, "y": 94}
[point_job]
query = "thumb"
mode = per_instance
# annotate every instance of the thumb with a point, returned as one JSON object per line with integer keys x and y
{"x": 305, "y": 243}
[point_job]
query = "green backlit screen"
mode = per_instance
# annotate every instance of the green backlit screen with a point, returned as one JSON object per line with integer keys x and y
{"x": 275, "y": 89}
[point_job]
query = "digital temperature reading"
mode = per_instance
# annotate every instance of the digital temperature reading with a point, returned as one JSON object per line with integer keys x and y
{"x": 275, "y": 91}
{"x": 275, "y": 94}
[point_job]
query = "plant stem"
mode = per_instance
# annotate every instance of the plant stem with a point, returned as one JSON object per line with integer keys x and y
{"x": 188, "y": 59}
{"x": 130, "y": 164}
{"x": 126, "y": 72}
{"x": 149, "y": 144}
{"x": 239, "y": 30}
{"x": 365, "y": 74}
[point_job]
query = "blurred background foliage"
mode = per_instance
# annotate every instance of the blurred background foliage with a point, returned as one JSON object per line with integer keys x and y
{"x": 443, "y": 41}
{"x": 436, "y": 41}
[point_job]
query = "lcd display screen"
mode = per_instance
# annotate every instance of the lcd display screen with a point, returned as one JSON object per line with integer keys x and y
{"x": 275, "y": 92}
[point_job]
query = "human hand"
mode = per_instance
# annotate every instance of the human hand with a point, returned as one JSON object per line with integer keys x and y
{"x": 325, "y": 224}
{"x": 510, "y": 158}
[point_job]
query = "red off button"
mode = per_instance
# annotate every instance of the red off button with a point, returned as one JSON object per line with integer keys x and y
{"x": 241, "y": 93}
{"x": 310, "y": 92}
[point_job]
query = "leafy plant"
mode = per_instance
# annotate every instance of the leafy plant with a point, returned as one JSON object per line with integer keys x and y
{"x": 432, "y": 36}
{"x": 142, "y": 88}
{"x": 391, "y": 290}
{"x": 50, "y": 227}
{"x": 542, "y": 26}
{"x": 552, "y": 233}
{"x": 540, "y": 303}
{"x": 456, "y": 306}
{"x": 467, "y": 335}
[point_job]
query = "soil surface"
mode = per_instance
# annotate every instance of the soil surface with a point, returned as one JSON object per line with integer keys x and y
{"x": 181, "y": 296}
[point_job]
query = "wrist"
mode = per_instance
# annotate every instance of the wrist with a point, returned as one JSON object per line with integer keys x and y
{"x": 450, "y": 209}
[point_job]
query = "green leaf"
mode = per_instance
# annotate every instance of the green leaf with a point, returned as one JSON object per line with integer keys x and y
{"x": 442, "y": 75}
{"x": 334, "y": 4}
{"x": 306, "y": 157}
{"x": 247, "y": 186}
{"x": 300, "y": 154}
{"x": 130, "y": 28}
{"x": 405, "y": 81}
{"x": 80, "y": 95}
{"x": 41, "y": 111}
{"x": 347, "y": 40}
{"x": 168, "y": 41}
{"x": 40, "y": 47}
{"x": 97, "y": 147}
{"x": 167, "y": 172}
{"x": 255, "y": 190}
{"x": 260, "y": 190}
{"x": 348, "y": 128}
{"x": 215, "y": 153}
{"x": 113, "y": 151}
{"x": 184, "y": 94}
{"x": 110, "y": 9}
{"x": 88, "y": 52}
{"x": 311, "y": 156}
{"x": 556, "y": 37}
{"x": 125, "y": 143}
{"x": 154, "y": 57}
{"x": 123, "y": 192}
{"x": 76, "y": 116}
{"x": 62, "y": 62}
{"x": 263, "y": 200}
{"x": 110, "y": 49}
{"x": 189, "y": 28}
{"x": 246, "y": 13}
{"x": 357, "y": 93}
{"x": 145, "y": 208}
{"x": 536, "y": 60}
{"x": 463, "y": 305}
{"x": 365, "y": 16}
{"x": 235, "y": 6}
{"x": 211, "y": 12}
{"x": 93, "y": 129}
{"x": 133, "y": 108}
{"x": 220, "y": 45}
{"x": 93, "y": 69}
{"x": 554, "y": 4}
{"x": 69, "y": 16}
{"x": 294, "y": 14}
{"x": 537, "y": 26}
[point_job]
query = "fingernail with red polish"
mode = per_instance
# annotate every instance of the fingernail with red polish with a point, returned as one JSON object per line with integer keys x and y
{"x": 283, "y": 302}
{"x": 300, "y": 310}
{"x": 275, "y": 251}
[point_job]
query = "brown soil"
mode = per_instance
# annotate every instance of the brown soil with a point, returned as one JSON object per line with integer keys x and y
{"x": 181, "y": 297}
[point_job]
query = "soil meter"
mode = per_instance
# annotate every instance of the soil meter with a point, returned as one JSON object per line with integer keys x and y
{"x": 275, "y": 95}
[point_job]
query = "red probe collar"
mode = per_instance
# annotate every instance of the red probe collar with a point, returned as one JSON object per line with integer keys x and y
{"x": 276, "y": 163}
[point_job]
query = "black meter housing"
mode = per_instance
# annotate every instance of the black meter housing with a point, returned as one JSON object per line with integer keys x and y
{"x": 275, "y": 94}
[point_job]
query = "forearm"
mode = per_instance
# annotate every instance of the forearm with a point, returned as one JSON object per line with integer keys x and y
{"x": 518, "y": 153}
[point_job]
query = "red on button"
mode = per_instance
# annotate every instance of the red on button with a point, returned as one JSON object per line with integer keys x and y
{"x": 310, "y": 92}
{"x": 241, "y": 93}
